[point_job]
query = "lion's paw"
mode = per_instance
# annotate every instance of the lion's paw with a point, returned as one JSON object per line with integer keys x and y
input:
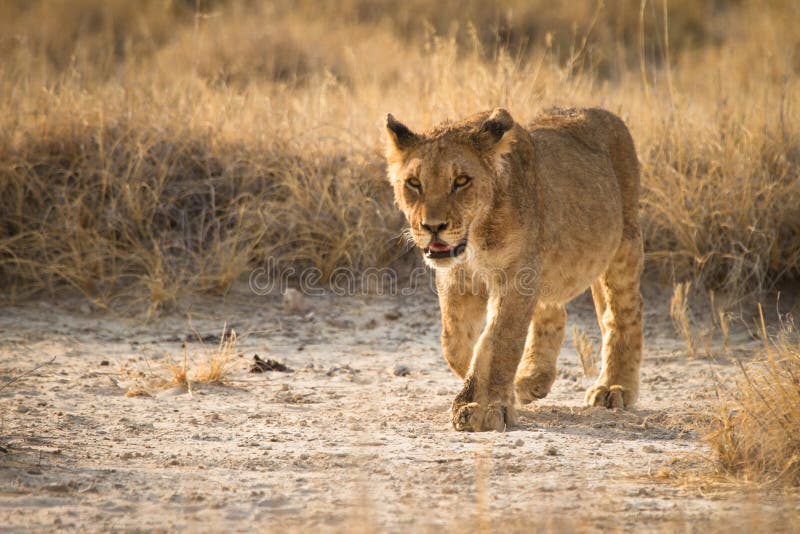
{"x": 473, "y": 417}
{"x": 533, "y": 387}
{"x": 615, "y": 396}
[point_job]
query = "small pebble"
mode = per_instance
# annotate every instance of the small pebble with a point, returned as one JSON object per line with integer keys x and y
{"x": 294, "y": 302}
{"x": 401, "y": 370}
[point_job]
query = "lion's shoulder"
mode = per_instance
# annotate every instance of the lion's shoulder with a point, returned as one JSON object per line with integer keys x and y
{"x": 592, "y": 128}
{"x": 555, "y": 118}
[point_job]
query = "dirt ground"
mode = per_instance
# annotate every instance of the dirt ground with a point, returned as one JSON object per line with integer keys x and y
{"x": 355, "y": 436}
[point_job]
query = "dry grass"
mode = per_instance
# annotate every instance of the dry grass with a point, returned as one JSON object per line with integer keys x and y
{"x": 207, "y": 367}
{"x": 216, "y": 366}
{"x": 152, "y": 150}
{"x": 756, "y": 434}
{"x": 211, "y": 368}
{"x": 179, "y": 372}
{"x": 679, "y": 312}
{"x": 585, "y": 348}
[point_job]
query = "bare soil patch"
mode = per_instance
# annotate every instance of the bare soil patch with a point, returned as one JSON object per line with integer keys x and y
{"x": 342, "y": 439}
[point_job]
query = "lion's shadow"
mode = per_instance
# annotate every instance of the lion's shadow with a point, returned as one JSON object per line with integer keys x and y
{"x": 603, "y": 423}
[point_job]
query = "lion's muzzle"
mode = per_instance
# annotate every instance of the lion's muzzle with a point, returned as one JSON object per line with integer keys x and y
{"x": 437, "y": 250}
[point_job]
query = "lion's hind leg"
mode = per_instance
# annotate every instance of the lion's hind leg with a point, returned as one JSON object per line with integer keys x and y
{"x": 619, "y": 309}
{"x": 537, "y": 369}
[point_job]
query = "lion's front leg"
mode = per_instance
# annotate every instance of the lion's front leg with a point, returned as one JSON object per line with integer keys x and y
{"x": 486, "y": 402}
{"x": 463, "y": 314}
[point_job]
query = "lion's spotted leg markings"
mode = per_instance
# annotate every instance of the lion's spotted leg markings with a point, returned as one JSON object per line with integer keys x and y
{"x": 537, "y": 369}
{"x": 618, "y": 384}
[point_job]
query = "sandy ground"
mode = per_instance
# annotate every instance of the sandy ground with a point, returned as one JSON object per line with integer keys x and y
{"x": 356, "y": 435}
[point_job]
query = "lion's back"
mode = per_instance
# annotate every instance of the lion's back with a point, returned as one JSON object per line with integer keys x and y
{"x": 596, "y": 140}
{"x": 595, "y": 128}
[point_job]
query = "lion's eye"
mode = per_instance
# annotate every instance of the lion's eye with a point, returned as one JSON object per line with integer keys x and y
{"x": 461, "y": 181}
{"x": 414, "y": 184}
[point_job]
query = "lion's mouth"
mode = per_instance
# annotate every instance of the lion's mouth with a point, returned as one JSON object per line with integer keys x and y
{"x": 438, "y": 250}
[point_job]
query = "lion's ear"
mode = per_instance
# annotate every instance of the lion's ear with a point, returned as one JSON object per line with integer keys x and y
{"x": 492, "y": 137}
{"x": 494, "y": 128}
{"x": 398, "y": 139}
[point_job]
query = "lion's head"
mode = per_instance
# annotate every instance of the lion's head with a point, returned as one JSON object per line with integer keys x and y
{"x": 445, "y": 180}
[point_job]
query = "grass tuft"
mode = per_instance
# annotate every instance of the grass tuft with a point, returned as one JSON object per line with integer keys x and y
{"x": 756, "y": 433}
{"x": 585, "y": 348}
{"x": 213, "y": 367}
{"x": 679, "y": 312}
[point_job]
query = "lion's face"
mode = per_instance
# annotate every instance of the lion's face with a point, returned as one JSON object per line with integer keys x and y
{"x": 441, "y": 190}
{"x": 444, "y": 183}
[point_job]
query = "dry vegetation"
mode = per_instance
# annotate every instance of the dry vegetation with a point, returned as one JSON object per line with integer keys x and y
{"x": 153, "y": 149}
{"x": 585, "y": 347}
{"x": 679, "y": 312}
{"x": 206, "y": 366}
{"x": 756, "y": 436}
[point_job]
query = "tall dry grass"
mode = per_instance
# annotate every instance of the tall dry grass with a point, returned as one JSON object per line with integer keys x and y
{"x": 756, "y": 434}
{"x": 152, "y": 149}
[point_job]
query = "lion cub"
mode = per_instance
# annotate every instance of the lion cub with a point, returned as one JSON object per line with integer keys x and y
{"x": 516, "y": 221}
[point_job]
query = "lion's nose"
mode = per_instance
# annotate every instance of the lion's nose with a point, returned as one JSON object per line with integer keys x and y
{"x": 434, "y": 227}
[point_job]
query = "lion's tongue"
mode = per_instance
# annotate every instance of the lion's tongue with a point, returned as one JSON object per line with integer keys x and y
{"x": 438, "y": 247}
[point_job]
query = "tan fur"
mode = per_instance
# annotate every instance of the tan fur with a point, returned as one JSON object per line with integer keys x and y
{"x": 551, "y": 209}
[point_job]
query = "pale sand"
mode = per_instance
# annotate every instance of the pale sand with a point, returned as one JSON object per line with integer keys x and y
{"x": 341, "y": 442}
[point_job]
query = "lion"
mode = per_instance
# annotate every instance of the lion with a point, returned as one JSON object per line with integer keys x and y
{"x": 516, "y": 221}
